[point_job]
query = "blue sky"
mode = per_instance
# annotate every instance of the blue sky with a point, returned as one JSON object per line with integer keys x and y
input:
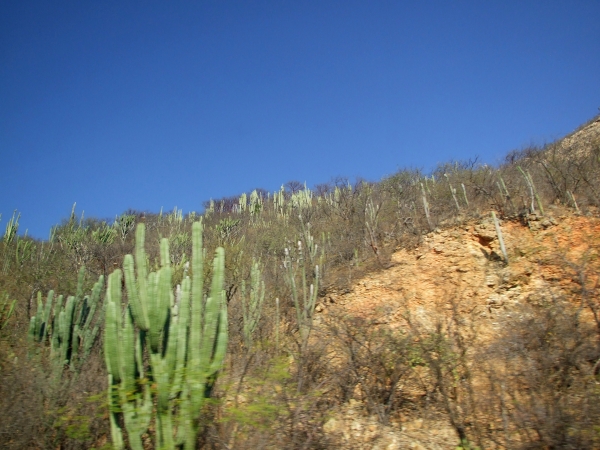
{"x": 117, "y": 104}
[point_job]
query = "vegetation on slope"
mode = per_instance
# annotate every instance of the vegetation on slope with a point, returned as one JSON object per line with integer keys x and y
{"x": 284, "y": 373}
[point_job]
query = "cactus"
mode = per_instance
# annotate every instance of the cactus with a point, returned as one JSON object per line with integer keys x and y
{"x": 500, "y": 238}
{"x": 252, "y": 302}
{"x": 572, "y": 198}
{"x": 182, "y": 336}
{"x": 453, "y": 192}
{"x": 256, "y": 203}
{"x": 72, "y": 327}
{"x": 227, "y": 228}
{"x": 505, "y": 193}
{"x": 279, "y": 202}
{"x": 302, "y": 199}
{"x": 105, "y": 235}
{"x": 464, "y": 190}
{"x": 304, "y": 310}
{"x": 532, "y": 191}
{"x": 124, "y": 224}
{"x": 426, "y": 206}
{"x": 243, "y": 202}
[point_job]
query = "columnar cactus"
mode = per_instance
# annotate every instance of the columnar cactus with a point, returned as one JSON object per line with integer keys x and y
{"x": 72, "y": 326}
{"x": 184, "y": 337}
{"x": 500, "y": 238}
{"x": 305, "y": 301}
{"x": 426, "y": 205}
{"x": 252, "y": 302}
{"x": 532, "y": 191}
{"x": 256, "y": 202}
{"x": 279, "y": 202}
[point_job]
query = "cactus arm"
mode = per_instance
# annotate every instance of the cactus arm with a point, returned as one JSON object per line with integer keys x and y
{"x": 500, "y": 238}
{"x": 222, "y": 337}
{"x": 65, "y": 320}
{"x": 39, "y": 315}
{"x": 212, "y": 311}
{"x": 94, "y": 299}
{"x": 116, "y": 434}
{"x": 197, "y": 290}
{"x": 141, "y": 263}
{"x": 45, "y": 319}
{"x": 138, "y": 308}
{"x": 55, "y": 345}
{"x": 252, "y": 306}
{"x": 113, "y": 325}
{"x": 31, "y": 333}
{"x": 126, "y": 354}
{"x": 182, "y": 337}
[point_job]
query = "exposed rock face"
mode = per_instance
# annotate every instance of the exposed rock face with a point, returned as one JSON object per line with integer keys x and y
{"x": 466, "y": 263}
{"x": 462, "y": 266}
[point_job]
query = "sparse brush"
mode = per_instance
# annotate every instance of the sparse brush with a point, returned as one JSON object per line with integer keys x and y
{"x": 6, "y": 309}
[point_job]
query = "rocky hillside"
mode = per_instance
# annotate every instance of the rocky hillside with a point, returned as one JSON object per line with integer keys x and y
{"x": 461, "y": 270}
{"x": 459, "y": 275}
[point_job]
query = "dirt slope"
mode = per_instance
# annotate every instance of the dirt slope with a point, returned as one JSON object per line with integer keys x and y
{"x": 557, "y": 252}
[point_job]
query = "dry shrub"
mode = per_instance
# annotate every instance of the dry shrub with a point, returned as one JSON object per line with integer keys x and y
{"x": 543, "y": 378}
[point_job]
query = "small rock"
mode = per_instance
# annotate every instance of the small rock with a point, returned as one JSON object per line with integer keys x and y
{"x": 495, "y": 301}
{"x": 416, "y": 446}
{"x": 331, "y": 426}
{"x": 356, "y": 426}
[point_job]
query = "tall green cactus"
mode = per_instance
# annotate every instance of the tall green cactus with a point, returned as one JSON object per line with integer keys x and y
{"x": 252, "y": 302}
{"x": 183, "y": 338}
{"x": 72, "y": 327}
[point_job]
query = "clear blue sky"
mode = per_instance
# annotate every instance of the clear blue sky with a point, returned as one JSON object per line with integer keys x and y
{"x": 119, "y": 104}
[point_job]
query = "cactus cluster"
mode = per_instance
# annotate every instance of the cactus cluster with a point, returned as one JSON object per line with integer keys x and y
{"x": 302, "y": 199}
{"x": 72, "y": 326}
{"x": 164, "y": 351}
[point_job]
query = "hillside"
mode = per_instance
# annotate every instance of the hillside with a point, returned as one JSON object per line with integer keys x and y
{"x": 460, "y": 271}
{"x": 358, "y": 315}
